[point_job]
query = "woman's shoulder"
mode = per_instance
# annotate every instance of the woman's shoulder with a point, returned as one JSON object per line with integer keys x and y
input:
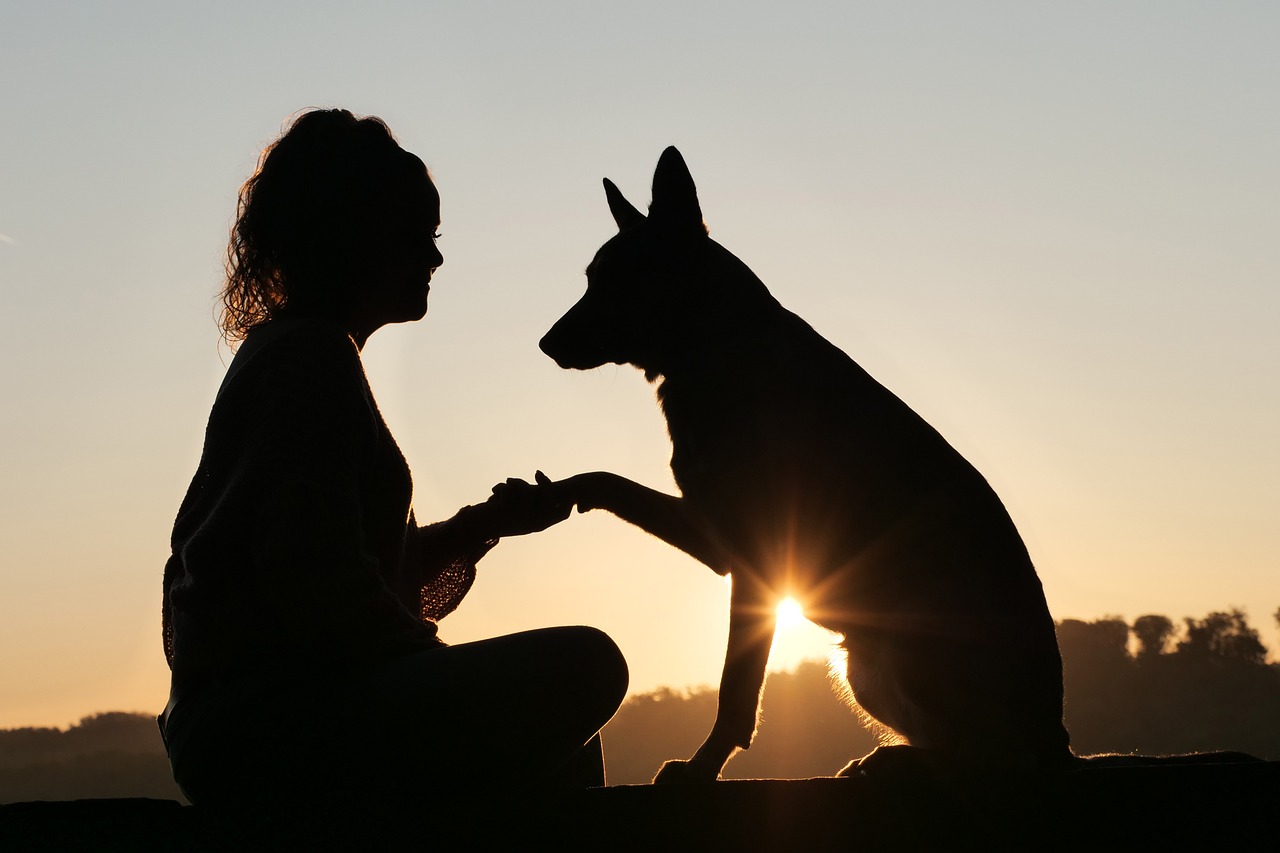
{"x": 297, "y": 351}
{"x": 302, "y": 341}
{"x": 289, "y": 335}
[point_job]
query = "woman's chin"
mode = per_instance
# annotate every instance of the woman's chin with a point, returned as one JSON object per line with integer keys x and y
{"x": 415, "y": 308}
{"x": 418, "y": 312}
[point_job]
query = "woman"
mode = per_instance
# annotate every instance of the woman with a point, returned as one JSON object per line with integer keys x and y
{"x": 301, "y": 596}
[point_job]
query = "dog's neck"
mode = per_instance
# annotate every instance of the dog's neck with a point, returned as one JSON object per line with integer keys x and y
{"x": 710, "y": 376}
{"x": 725, "y": 347}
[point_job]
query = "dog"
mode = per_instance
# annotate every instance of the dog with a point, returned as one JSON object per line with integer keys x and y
{"x": 801, "y": 475}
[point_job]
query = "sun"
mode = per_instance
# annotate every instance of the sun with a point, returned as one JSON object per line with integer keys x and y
{"x": 790, "y": 613}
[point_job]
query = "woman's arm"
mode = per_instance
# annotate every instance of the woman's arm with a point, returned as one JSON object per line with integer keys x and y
{"x": 440, "y": 558}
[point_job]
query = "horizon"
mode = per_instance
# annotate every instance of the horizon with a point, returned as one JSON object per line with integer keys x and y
{"x": 1049, "y": 231}
{"x": 1079, "y": 657}
{"x": 796, "y": 638}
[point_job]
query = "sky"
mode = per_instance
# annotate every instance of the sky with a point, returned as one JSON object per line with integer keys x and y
{"x": 1050, "y": 228}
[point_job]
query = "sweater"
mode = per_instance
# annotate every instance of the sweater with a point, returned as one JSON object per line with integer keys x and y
{"x": 296, "y": 545}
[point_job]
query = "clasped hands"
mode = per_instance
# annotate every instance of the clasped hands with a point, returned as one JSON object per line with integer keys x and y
{"x": 517, "y": 507}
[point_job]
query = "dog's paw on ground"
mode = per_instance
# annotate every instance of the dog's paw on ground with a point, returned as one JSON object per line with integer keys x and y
{"x": 683, "y": 773}
{"x": 898, "y": 761}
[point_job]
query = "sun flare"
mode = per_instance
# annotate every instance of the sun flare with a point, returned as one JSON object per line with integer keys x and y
{"x": 790, "y": 613}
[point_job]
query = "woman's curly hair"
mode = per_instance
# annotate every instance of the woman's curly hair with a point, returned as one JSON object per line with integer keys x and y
{"x": 303, "y": 214}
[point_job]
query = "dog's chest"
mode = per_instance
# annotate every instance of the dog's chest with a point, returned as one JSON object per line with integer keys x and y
{"x": 713, "y": 443}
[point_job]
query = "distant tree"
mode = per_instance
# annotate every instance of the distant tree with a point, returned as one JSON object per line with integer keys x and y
{"x": 1103, "y": 642}
{"x": 1213, "y": 692}
{"x": 1223, "y": 635}
{"x": 1154, "y": 633}
{"x": 1096, "y": 667}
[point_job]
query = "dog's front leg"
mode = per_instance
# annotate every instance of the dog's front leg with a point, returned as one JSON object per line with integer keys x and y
{"x": 752, "y": 619}
{"x": 664, "y": 516}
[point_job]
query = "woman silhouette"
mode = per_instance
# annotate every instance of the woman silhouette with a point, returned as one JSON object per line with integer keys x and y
{"x": 301, "y": 596}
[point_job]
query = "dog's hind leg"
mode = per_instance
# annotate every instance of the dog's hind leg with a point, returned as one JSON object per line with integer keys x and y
{"x": 959, "y": 706}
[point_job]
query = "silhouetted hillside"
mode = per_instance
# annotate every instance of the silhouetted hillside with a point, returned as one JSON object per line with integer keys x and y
{"x": 1150, "y": 688}
{"x": 806, "y": 731}
{"x": 105, "y": 755}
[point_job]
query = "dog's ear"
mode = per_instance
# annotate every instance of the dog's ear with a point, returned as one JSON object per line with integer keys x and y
{"x": 624, "y": 212}
{"x": 675, "y": 198}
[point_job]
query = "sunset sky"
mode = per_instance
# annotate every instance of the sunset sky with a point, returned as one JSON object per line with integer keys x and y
{"x": 1052, "y": 229}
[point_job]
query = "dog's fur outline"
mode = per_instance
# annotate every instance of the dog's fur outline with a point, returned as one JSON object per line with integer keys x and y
{"x": 799, "y": 473}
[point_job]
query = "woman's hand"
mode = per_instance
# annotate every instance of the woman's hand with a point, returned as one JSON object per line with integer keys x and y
{"x": 518, "y": 507}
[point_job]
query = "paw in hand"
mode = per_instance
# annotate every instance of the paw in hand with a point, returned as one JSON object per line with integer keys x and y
{"x": 686, "y": 773}
{"x": 587, "y": 491}
{"x": 518, "y": 507}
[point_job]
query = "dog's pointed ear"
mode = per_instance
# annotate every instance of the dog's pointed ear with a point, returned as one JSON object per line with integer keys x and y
{"x": 624, "y": 212}
{"x": 675, "y": 198}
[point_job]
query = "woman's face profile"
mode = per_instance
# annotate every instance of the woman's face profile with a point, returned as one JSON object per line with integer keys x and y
{"x": 401, "y": 256}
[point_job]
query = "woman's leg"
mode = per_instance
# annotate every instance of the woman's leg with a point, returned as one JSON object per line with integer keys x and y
{"x": 522, "y": 706}
{"x": 518, "y": 706}
{"x": 585, "y": 769}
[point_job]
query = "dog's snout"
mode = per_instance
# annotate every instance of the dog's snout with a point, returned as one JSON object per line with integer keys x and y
{"x": 570, "y": 344}
{"x": 548, "y": 343}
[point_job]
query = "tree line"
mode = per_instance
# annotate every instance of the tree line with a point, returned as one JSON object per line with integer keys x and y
{"x": 1156, "y": 687}
{"x": 1152, "y": 687}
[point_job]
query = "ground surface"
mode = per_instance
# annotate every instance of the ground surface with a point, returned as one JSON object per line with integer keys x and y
{"x": 1215, "y": 807}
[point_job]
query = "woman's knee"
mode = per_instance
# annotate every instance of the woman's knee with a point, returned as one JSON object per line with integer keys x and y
{"x": 568, "y": 667}
{"x": 586, "y": 663}
{"x": 577, "y": 667}
{"x": 608, "y": 664}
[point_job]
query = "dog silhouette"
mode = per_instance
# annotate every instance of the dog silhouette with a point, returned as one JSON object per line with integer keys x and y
{"x": 801, "y": 475}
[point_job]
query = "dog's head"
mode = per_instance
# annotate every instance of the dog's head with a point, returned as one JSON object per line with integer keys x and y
{"x": 657, "y": 287}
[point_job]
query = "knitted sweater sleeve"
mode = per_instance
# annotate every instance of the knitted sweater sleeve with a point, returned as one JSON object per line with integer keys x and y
{"x": 440, "y": 562}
